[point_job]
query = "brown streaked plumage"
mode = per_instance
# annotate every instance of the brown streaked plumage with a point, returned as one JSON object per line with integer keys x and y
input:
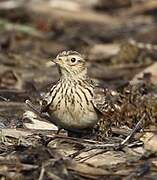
{"x": 71, "y": 101}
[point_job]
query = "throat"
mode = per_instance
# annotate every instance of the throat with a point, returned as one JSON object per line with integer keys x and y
{"x": 73, "y": 75}
{"x": 73, "y": 80}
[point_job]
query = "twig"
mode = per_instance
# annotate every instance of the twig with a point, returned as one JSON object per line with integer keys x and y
{"x": 115, "y": 146}
{"x": 118, "y": 145}
{"x": 41, "y": 173}
{"x": 3, "y": 98}
{"x": 133, "y": 131}
{"x": 32, "y": 107}
{"x": 37, "y": 111}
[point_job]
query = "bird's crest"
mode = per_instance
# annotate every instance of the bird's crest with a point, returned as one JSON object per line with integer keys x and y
{"x": 67, "y": 53}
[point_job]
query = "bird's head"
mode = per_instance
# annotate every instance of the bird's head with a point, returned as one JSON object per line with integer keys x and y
{"x": 71, "y": 63}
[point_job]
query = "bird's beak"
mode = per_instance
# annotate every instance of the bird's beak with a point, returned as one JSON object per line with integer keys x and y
{"x": 54, "y": 61}
{"x": 58, "y": 61}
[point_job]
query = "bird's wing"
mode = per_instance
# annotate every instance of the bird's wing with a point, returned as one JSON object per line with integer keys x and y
{"x": 99, "y": 96}
{"x": 105, "y": 100}
{"x": 46, "y": 96}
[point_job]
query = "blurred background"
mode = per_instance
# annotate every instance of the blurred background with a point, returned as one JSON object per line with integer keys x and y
{"x": 118, "y": 38}
{"x": 119, "y": 41}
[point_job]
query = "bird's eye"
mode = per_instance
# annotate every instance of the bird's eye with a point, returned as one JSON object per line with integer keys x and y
{"x": 73, "y": 60}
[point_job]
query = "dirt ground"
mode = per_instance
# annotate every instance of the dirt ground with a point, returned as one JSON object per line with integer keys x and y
{"x": 119, "y": 41}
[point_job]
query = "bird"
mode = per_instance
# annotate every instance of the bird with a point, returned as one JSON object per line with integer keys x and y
{"x": 72, "y": 103}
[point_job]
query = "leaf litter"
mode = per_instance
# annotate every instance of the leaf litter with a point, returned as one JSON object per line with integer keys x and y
{"x": 119, "y": 40}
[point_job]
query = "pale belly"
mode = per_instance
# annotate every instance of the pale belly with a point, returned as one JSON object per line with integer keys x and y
{"x": 73, "y": 115}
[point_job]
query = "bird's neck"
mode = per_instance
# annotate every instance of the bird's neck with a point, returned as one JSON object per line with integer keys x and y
{"x": 74, "y": 77}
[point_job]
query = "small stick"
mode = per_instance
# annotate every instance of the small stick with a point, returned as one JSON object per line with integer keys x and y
{"x": 133, "y": 131}
{"x": 30, "y": 105}
{"x": 117, "y": 145}
{"x": 37, "y": 111}
{"x": 41, "y": 173}
{"x": 3, "y": 98}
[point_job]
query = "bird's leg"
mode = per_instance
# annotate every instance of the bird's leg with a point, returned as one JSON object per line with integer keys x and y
{"x": 85, "y": 133}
